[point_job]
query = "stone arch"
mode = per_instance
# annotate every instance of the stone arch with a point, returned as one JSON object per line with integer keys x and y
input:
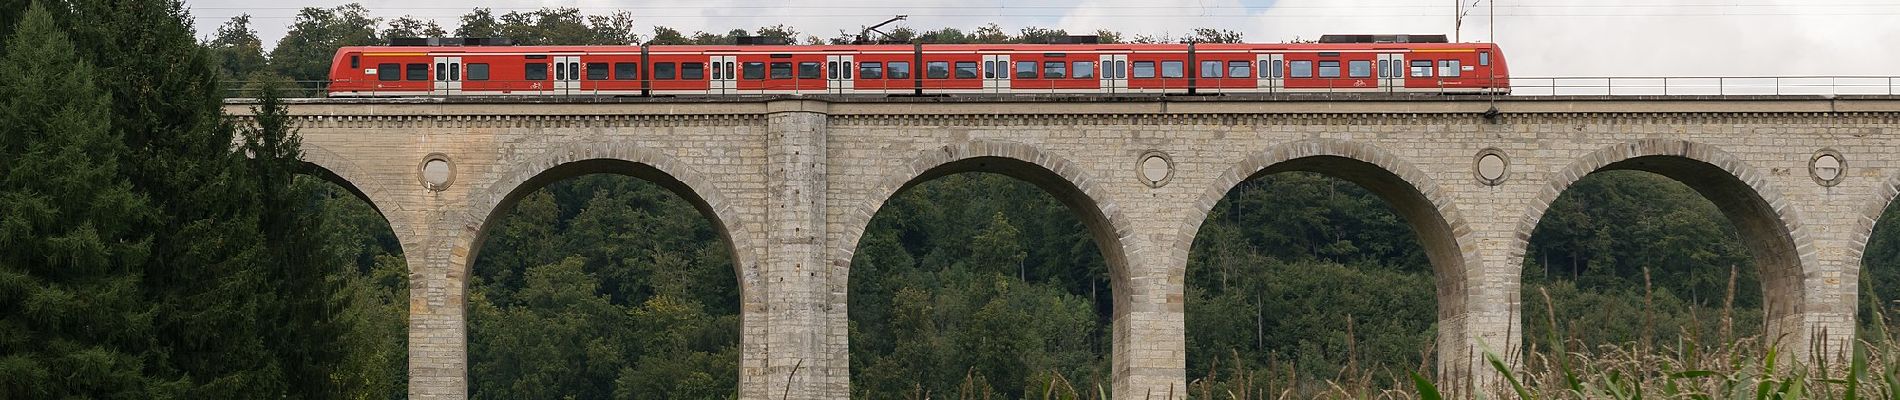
{"x": 329, "y": 166}
{"x": 1770, "y": 228}
{"x": 1433, "y": 215}
{"x": 1862, "y": 233}
{"x": 1067, "y": 181}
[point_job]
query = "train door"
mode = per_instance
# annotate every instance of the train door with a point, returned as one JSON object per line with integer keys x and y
{"x": 995, "y": 73}
{"x": 448, "y": 76}
{"x": 1271, "y": 72}
{"x": 567, "y": 71}
{"x": 1392, "y": 72}
{"x": 724, "y": 70}
{"x": 838, "y": 71}
{"x": 1114, "y": 74}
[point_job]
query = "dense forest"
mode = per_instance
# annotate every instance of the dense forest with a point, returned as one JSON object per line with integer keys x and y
{"x": 146, "y": 257}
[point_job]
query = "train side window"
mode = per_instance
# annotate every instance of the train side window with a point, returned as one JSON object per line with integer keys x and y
{"x": 1385, "y": 68}
{"x": 1026, "y": 70}
{"x": 1239, "y": 69}
{"x": 455, "y": 72}
{"x": 355, "y": 61}
{"x": 847, "y": 70}
{"x": 536, "y": 71}
{"x": 1172, "y": 69}
{"x": 1359, "y": 68}
{"x": 989, "y": 69}
{"x": 665, "y": 71}
{"x": 626, "y": 71}
{"x": 1144, "y": 69}
{"x": 730, "y": 70}
{"x": 754, "y": 70}
{"x": 809, "y": 70}
{"x": 1084, "y": 70}
{"x": 441, "y": 71}
{"x": 388, "y": 72}
{"x": 1484, "y": 58}
{"x": 831, "y": 70}
{"x": 966, "y": 70}
{"x": 899, "y": 70}
{"x": 1448, "y": 68}
{"x": 1300, "y": 69}
{"x": 1329, "y": 69}
{"x": 1210, "y": 69}
{"x": 596, "y": 71}
{"x": 937, "y": 70}
{"x": 718, "y": 70}
{"x": 871, "y": 70}
{"x": 1421, "y": 68}
{"x": 1055, "y": 70}
{"x": 1121, "y": 69}
{"x": 693, "y": 71}
{"x": 478, "y": 71}
{"x": 781, "y": 70}
{"x": 417, "y": 72}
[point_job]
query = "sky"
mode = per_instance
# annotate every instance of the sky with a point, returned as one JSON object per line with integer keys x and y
{"x": 1540, "y": 38}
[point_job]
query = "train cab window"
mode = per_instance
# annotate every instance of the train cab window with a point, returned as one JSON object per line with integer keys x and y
{"x": 1448, "y": 68}
{"x": 388, "y": 71}
{"x": 1210, "y": 69}
{"x": 899, "y": 70}
{"x": 692, "y": 71}
{"x": 810, "y": 70}
{"x": 871, "y": 70}
{"x": 1484, "y": 58}
{"x": 1144, "y": 69}
{"x": 1026, "y": 70}
{"x": 665, "y": 71}
{"x": 417, "y": 72}
{"x": 966, "y": 70}
{"x": 626, "y": 71}
{"x": 1083, "y": 70}
{"x": 781, "y": 70}
{"x": 1055, "y": 70}
{"x": 1359, "y": 68}
{"x": 1329, "y": 69}
{"x": 1300, "y": 69}
{"x": 937, "y": 70}
{"x": 355, "y": 61}
{"x": 754, "y": 70}
{"x": 478, "y": 71}
{"x": 1421, "y": 68}
{"x": 596, "y": 71}
{"x": 1239, "y": 69}
{"x": 536, "y": 71}
{"x": 1172, "y": 69}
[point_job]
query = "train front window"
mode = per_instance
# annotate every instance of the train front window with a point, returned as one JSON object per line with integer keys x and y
{"x": 1084, "y": 70}
{"x": 1421, "y": 68}
{"x": 871, "y": 70}
{"x": 596, "y": 71}
{"x": 478, "y": 71}
{"x": 692, "y": 71}
{"x": 966, "y": 70}
{"x": 1144, "y": 69}
{"x": 626, "y": 71}
{"x": 536, "y": 71}
{"x": 1055, "y": 70}
{"x": 1210, "y": 69}
{"x": 1239, "y": 69}
{"x": 1172, "y": 69}
{"x": 937, "y": 70}
{"x": 417, "y": 72}
{"x": 1025, "y": 70}
{"x": 900, "y": 70}
{"x": 810, "y": 70}
{"x": 1300, "y": 69}
{"x": 388, "y": 72}
{"x": 1329, "y": 69}
{"x": 754, "y": 70}
{"x": 665, "y": 71}
{"x": 1359, "y": 68}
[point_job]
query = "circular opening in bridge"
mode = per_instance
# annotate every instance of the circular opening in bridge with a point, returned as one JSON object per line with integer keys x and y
{"x": 1156, "y": 168}
{"x": 1827, "y": 167}
{"x": 1491, "y": 167}
{"x": 437, "y": 172}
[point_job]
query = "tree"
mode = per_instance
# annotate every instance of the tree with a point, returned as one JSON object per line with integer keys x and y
{"x": 411, "y": 27}
{"x": 305, "y": 52}
{"x": 73, "y": 320}
{"x": 668, "y": 36}
{"x": 612, "y": 29}
{"x": 479, "y": 23}
{"x": 236, "y": 50}
{"x": 1212, "y": 35}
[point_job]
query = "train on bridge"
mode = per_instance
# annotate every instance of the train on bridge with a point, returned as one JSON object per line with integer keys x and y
{"x": 1335, "y": 64}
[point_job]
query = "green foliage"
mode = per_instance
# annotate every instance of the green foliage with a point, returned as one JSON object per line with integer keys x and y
{"x": 305, "y": 52}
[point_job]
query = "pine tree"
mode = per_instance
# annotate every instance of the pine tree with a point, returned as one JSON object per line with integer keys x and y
{"x": 73, "y": 322}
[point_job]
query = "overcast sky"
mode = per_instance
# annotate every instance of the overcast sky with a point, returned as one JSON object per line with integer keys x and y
{"x": 1539, "y": 37}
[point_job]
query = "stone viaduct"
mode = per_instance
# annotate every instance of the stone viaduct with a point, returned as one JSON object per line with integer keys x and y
{"x": 792, "y": 183}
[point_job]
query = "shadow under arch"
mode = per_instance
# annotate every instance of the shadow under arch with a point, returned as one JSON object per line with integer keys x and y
{"x": 1768, "y": 227}
{"x": 1061, "y": 178}
{"x": 330, "y": 167}
{"x": 1441, "y": 229}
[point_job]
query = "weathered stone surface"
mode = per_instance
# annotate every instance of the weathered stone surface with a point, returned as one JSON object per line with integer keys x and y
{"x": 793, "y": 182}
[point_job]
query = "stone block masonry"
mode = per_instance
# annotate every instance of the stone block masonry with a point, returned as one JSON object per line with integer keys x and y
{"x": 792, "y": 183}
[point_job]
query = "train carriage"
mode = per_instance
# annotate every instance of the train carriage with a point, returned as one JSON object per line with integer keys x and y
{"x": 1339, "y": 63}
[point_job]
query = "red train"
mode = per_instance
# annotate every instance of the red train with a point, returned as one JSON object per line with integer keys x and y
{"x": 1338, "y": 63}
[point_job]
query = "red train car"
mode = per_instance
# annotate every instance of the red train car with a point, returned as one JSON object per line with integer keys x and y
{"x": 1339, "y": 63}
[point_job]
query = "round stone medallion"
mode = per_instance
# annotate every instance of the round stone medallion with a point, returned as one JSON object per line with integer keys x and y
{"x": 1827, "y": 167}
{"x": 1491, "y": 166}
{"x": 1155, "y": 168}
{"x": 437, "y": 172}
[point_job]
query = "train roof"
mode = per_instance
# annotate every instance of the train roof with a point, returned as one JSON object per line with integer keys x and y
{"x": 1012, "y": 47}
